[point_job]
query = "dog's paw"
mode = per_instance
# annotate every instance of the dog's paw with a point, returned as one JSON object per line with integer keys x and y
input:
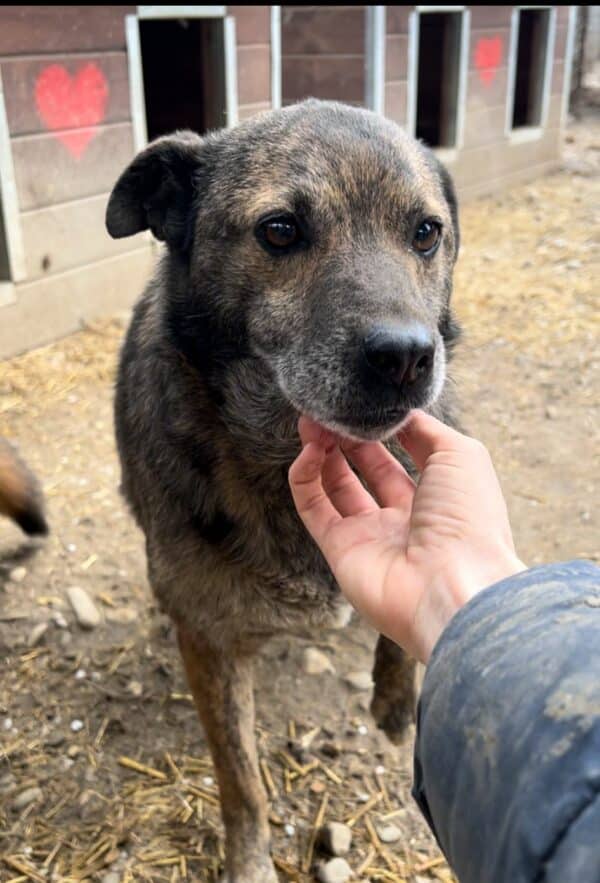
{"x": 253, "y": 872}
{"x": 394, "y": 716}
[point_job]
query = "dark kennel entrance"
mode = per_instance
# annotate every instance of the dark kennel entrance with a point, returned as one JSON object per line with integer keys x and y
{"x": 438, "y": 77}
{"x": 184, "y": 77}
{"x": 534, "y": 25}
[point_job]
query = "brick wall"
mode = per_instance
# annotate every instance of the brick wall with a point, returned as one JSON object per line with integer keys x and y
{"x": 489, "y": 159}
{"x": 66, "y": 91}
{"x": 323, "y": 53}
{"x": 253, "y": 33}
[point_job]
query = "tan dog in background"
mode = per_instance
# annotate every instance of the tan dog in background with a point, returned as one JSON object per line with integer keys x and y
{"x": 20, "y": 493}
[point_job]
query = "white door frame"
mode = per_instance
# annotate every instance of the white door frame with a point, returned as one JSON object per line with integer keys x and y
{"x": 375, "y": 33}
{"x": 9, "y": 205}
{"x": 136, "y": 76}
{"x": 528, "y": 133}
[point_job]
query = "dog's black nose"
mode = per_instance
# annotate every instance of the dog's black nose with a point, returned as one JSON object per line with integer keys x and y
{"x": 402, "y": 356}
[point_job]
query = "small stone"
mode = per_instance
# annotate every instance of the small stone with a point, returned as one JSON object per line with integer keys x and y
{"x": 7, "y": 783}
{"x": 80, "y": 674}
{"x": 59, "y": 620}
{"x": 135, "y": 688}
{"x": 362, "y": 730}
{"x": 111, "y": 877}
{"x": 359, "y": 680}
{"x": 388, "y": 833}
{"x": 289, "y": 830}
{"x": 55, "y": 739}
{"x": 76, "y": 725}
{"x": 30, "y": 795}
{"x": 208, "y": 781}
{"x": 122, "y": 615}
{"x": 315, "y": 663}
{"x": 335, "y": 838}
{"x": 7, "y": 724}
{"x": 84, "y": 608}
{"x": 37, "y": 633}
{"x": 17, "y": 574}
{"x": 551, "y": 412}
{"x": 335, "y": 871}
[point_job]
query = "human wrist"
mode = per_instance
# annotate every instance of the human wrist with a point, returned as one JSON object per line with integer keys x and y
{"x": 451, "y": 587}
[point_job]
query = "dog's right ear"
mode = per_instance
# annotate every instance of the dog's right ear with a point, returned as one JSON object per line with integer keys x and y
{"x": 157, "y": 191}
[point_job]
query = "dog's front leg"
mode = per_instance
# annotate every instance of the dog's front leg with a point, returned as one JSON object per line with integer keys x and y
{"x": 394, "y": 693}
{"x": 221, "y": 683}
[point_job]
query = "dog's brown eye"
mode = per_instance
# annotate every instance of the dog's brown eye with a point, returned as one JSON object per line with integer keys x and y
{"x": 427, "y": 237}
{"x": 280, "y": 234}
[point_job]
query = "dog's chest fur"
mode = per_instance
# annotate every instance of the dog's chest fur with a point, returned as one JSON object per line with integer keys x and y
{"x": 205, "y": 473}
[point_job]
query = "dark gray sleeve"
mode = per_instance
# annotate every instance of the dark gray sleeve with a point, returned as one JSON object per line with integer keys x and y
{"x": 507, "y": 758}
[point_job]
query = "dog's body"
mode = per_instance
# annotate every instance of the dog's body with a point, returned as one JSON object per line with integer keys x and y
{"x": 236, "y": 335}
{"x": 20, "y": 494}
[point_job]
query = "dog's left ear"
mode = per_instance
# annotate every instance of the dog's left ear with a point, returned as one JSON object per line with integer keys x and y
{"x": 157, "y": 191}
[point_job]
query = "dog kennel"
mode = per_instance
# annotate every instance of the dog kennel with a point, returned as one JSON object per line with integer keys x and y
{"x": 82, "y": 88}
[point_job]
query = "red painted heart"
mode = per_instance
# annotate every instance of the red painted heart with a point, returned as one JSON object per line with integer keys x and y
{"x": 488, "y": 55}
{"x": 72, "y": 107}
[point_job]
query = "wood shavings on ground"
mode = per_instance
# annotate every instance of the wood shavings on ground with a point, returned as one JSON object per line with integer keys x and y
{"x": 104, "y": 773}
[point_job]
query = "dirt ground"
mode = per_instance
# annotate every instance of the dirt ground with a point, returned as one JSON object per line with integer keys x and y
{"x": 78, "y": 707}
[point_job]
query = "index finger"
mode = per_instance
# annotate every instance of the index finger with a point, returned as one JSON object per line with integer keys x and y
{"x": 312, "y": 503}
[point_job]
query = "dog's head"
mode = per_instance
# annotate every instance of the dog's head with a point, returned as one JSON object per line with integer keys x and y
{"x": 319, "y": 239}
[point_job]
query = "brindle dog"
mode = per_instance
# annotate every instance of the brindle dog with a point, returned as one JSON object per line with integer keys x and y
{"x": 308, "y": 270}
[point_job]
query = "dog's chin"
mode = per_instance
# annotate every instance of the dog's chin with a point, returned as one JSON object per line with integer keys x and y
{"x": 361, "y": 430}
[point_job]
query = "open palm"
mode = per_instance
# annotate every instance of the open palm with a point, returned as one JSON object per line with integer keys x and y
{"x": 405, "y": 556}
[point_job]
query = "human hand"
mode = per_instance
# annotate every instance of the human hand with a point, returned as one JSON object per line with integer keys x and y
{"x": 406, "y": 556}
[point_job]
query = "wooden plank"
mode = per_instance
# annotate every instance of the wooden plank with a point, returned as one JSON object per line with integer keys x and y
{"x": 560, "y": 47}
{"x": 74, "y": 90}
{"x": 47, "y": 172}
{"x": 327, "y": 77}
{"x": 500, "y": 159}
{"x": 396, "y": 57}
{"x": 322, "y": 31}
{"x": 396, "y": 19}
{"x": 245, "y": 111}
{"x": 490, "y": 16}
{"x": 486, "y": 187}
{"x": 489, "y": 48}
{"x": 558, "y": 72}
{"x": 484, "y": 92}
{"x": 395, "y": 101}
{"x": 254, "y": 74}
{"x": 54, "y": 307}
{"x": 71, "y": 235}
{"x": 33, "y": 30}
{"x": 485, "y": 125}
{"x": 554, "y": 112}
{"x": 252, "y": 24}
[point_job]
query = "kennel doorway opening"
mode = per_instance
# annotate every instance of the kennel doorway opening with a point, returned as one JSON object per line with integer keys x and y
{"x": 438, "y": 77}
{"x": 183, "y": 74}
{"x": 533, "y": 29}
